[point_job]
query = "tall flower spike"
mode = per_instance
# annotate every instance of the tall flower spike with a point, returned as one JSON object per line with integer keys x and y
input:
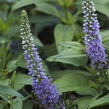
{"x": 42, "y": 85}
{"x": 94, "y": 45}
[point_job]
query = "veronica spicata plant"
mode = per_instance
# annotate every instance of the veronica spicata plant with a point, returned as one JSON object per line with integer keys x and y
{"x": 94, "y": 45}
{"x": 42, "y": 85}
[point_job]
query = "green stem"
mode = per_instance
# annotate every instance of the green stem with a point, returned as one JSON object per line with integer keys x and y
{"x": 26, "y": 97}
{"x": 90, "y": 70}
{"x": 98, "y": 78}
{"x": 65, "y": 10}
{"x": 29, "y": 95}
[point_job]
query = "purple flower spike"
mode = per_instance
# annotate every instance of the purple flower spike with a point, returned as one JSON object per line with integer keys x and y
{"x": 94, "y": 45}
{"x": 42, "y": 85}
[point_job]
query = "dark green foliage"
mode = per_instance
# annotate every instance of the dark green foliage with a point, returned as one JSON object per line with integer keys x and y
{"x": 57, "y": 29}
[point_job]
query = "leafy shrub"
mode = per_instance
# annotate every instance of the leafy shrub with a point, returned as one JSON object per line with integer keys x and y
{"x": 58, "y": 34}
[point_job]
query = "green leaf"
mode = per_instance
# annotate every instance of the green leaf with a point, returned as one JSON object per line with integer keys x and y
{"x": 24, "y": 3}
{"x": 93, "y": 84}
{"x": 48, "y": 9}
{"x": 83, "y": 102}
{"x": 4, "y": 82}
{"x": 70, "y": 56}
{"x": 100, "y": 102}
{"x": 3, "y": 96}
{"x": 45, "y": 67}
{"x": 50, "y": 49}
{"x": 13, "y": 30}
{"x": 105, "y": 38}
{"x": 9, "y": 91}
{"x": 17, "y": 104}
{"x": 102, "y": 6}
{"x": 63, "y": 33}
{"x": 12, "y": 79}
{"x": 12, "y": 65}
{"x": 106, "y": 85}
{"x": 37, "y": 42}
{"x": 72, "y": 81}
{"x": 40, "y": 19}
{"x": 73, "y": 44}
{"x": 6, "y": 92}
{"x": 60, "y": 73}
{"x": 21, "y": 80}
{"x": 21, "y": 62}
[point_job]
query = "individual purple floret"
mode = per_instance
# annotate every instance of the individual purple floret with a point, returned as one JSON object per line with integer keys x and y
{"x": 42, "y": 85}
{"x": 94, "y": 45}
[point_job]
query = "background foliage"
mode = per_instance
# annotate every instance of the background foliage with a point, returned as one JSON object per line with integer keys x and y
{"x": 58, "y": 34}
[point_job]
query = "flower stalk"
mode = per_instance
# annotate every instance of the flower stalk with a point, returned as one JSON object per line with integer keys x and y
{"x": 42, "y": 85}
{"x": 94, "y": 45}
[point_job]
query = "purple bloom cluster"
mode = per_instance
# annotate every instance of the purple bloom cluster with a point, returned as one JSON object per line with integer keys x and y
{"x": 42, "y": 85}
{"x": 94, "y": 45}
